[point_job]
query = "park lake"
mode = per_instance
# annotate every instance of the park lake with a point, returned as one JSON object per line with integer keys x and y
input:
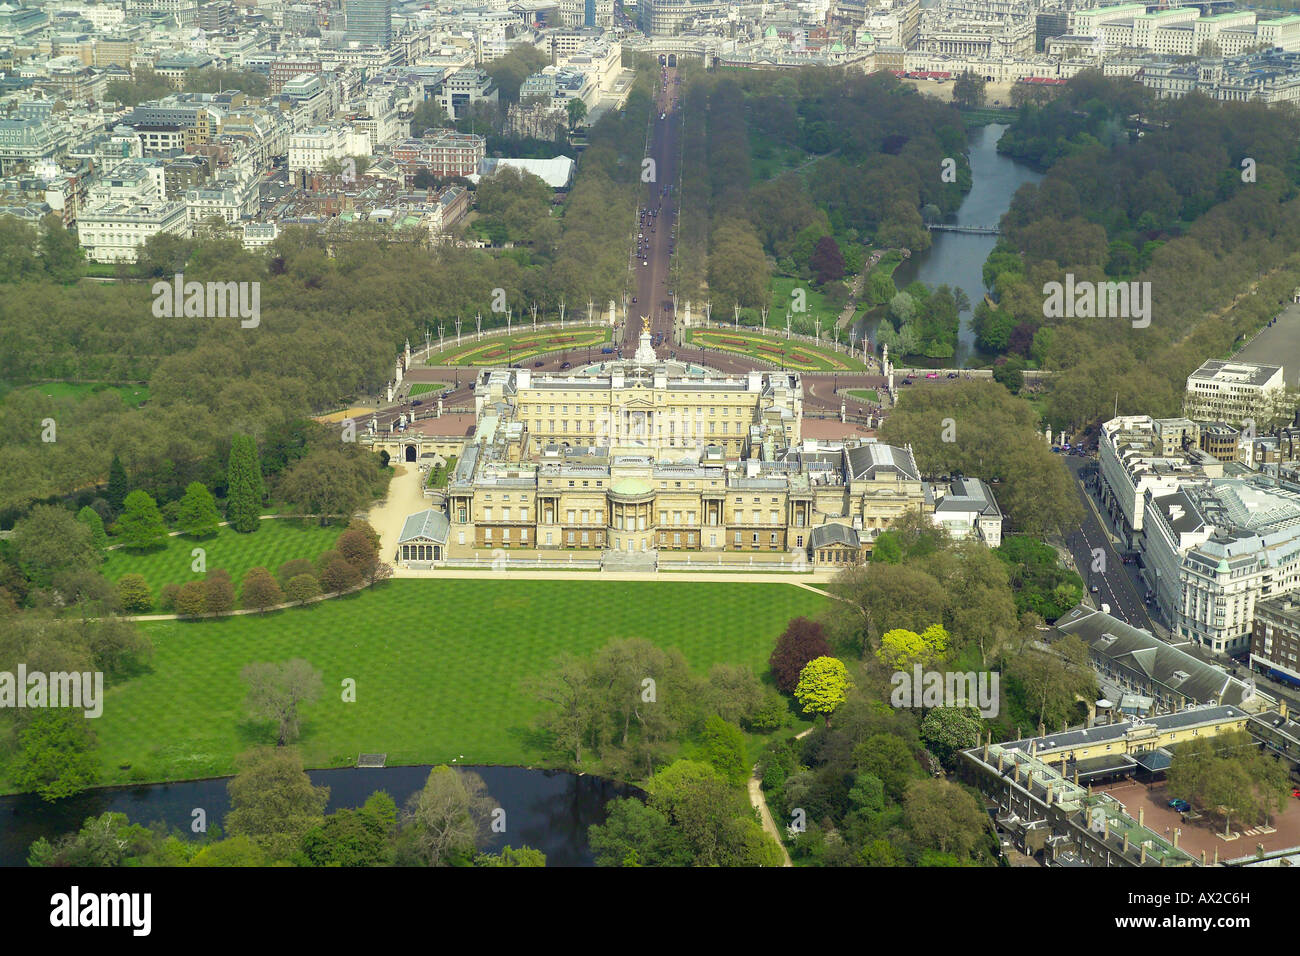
{"x": 547, "y": 810}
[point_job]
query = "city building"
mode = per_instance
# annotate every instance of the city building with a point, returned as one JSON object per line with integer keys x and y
{"x": 1234, "y": 392}
{"x": 370, "y": 21}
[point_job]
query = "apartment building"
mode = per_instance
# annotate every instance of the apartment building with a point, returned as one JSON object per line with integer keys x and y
{"x": 1275, "y": 639}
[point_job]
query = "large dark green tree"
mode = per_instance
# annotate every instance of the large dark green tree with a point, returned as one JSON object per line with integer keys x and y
{"x": 244, "y": 485}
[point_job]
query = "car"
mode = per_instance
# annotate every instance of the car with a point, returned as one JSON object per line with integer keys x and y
{"x": 634, "y": 300}
{"x": 907, "y": 381}
{"x": 417, "y": 403}
{"x": 644, "y": 263}
{"x": 1094, "y": 589}
{"x": 564, "y": 365}
{"x": 952, "y": 374}
{"x": 1182, "y": 806}
{"x": 1295, "y": 792}
{"x": 932, "y": 375}
{"x": 662, "y": 115}
{"x": 538, "y": 364}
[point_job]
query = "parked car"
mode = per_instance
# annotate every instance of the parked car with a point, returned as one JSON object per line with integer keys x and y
{"x": 1094, "y": 589}
{"x": 1295, "y": 792}
{"x": 952, "y": 374}
{"x": 1182, "y": 806}
{"x": 564, "y": 365}
{"x": 931, "y": 374}
{"x": 538, "y": 364}
{"x": 634, "y": 300}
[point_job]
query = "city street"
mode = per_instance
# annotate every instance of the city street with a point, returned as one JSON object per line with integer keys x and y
{"x": 1118, "y": 585}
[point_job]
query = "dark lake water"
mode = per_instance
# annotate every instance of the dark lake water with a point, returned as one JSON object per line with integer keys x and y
{"x": 957, "y": 259}
{"x": 548, "y": 810}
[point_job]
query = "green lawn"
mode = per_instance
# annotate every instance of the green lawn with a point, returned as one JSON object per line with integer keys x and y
{"x": 438, "y": 667}
{"x": 866, "y": 394}
{"x": 524, "y": 345}
{"x": 792, "y": 353}
{"x": 134, "y": 395}
{"x": 273, "y": 543}
{"x": 424, "y": 388}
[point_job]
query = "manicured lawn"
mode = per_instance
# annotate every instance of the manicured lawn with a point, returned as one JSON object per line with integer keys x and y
{"x": 273, "y": 543}
{"x": 521, "y": 346}
{"x": 866, "y": 394}
{"x": 794, "y": 354}
{"x": 424, "y": 388}
{"x": 438, "y": 667}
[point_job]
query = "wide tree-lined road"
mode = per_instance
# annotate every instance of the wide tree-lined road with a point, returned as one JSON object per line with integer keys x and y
{"x": 656, "y": 222}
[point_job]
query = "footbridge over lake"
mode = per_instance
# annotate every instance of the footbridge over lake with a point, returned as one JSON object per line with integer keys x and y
{"x": 968, "y": 230}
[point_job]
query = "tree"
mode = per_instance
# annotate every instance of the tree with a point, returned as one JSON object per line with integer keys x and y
{"x": 50, "y": 540}
{"x": 968, "y": 91}
{"x": 714, "y": 818}
{"x": 197, "y": 515}
{"x": 803, "y": 641}
{"x": 109, "y": 839}
{"x": 118, "y": 487}
{"x": 827, "y": 262}
{"x": 302, "y": 588}
{"x": 823, "y": 685}
{"x": 943, "y": 816}
{"x": 886, "y": 549}
{"x": 509, "y": 856}
{"x": 259, "y": 590}
{"x": 275, "y": 692}
{"x": 449, "y": 817}
{"x": 353, "y": 837}
{"x": 339, "y": 576}
{"x": 218, "y": 592}
{"x": 273, "y": 802}
{"x": 635, "y": 834}
{"x": 900, "y": 648}
{"x": 141, "y": 525}
{"x": 134, "y": 595}
{"x": 577, "y": 111}
{"x": 947, "y": 730}
{"x": 192, "y": 599}
{"x": 359, "y": 549}
{"x": 91, "y": 519}
{"x": 60, "y": 252}
{"x": 239, "y": 851}
{"x": 56, "y": 757}
{"x": 291, "y": 569}
{"x": 244, "y": 486}
{"x": 723, "y": 748}
{"x": 329, "y": 482}
{"x": 570, "y": 719}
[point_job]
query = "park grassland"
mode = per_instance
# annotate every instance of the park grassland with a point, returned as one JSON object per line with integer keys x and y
{"x": 275, "y": 541}
{"x": 438, "y": 665}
